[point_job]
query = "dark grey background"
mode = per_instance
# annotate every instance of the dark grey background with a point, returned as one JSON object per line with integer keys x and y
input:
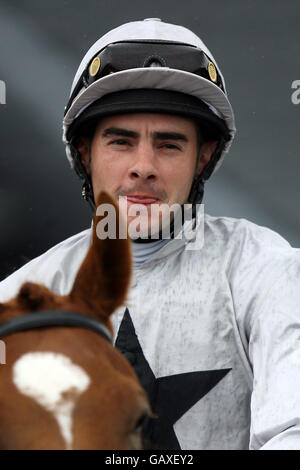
{"x": 42, "y": 42}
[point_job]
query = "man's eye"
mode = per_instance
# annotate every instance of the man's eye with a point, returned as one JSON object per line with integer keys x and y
{"x": 142, "y": 422}
{"x": 119, "y": 142}
{"x": 170, "y": 146}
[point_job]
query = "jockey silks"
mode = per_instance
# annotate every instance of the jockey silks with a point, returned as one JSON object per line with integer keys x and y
{"x": 213, "y": 333}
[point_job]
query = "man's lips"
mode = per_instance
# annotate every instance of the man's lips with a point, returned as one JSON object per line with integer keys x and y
{"x": 141, "y": 199}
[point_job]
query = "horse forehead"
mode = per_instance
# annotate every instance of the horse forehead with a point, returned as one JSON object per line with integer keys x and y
{"x": 48, "y": 375}
{"x": 54, "y": 382}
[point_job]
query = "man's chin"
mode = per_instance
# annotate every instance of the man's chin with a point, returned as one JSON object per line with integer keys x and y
{"x": 142, "y": 229}
{"x": 149, "y": 221}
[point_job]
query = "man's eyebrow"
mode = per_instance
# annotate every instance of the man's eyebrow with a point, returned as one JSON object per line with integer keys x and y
{"x": 170, "y": 136}
{"x": 119, "y": 132}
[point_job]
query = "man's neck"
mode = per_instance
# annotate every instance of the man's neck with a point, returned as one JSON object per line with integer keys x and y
{"x": 144, "y": 251}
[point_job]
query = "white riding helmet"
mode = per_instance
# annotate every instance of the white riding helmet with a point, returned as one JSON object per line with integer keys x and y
{"x": 149, "y": 66}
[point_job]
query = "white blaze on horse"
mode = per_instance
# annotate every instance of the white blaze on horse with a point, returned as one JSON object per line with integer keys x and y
{"x": 65, "y": 386}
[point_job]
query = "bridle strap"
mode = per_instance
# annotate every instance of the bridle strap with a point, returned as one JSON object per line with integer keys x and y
{"x": 45, "y": 319}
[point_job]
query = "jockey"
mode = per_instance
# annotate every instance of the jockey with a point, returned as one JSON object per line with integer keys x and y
{"x": 212, "y": 322}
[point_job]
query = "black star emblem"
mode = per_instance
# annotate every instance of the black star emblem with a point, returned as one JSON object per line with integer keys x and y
{"x": 171, "y": 396}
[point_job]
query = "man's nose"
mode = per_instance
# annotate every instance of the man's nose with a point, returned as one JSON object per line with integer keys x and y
{"x": 143, "y": 166}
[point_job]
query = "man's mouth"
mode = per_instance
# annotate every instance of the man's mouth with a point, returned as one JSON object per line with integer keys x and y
{"x": 142, "y": 199}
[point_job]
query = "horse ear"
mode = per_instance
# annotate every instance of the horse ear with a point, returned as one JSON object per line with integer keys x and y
{"x": 33, "y": 296}
{"x": 103, "y": 279}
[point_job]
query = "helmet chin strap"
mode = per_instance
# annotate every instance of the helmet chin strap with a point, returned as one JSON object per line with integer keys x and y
{"x": 87, "y": 187}
{"x": 87, "y": 194}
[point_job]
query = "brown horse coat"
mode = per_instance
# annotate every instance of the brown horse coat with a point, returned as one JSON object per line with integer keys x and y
{"x": 93, "y": 400}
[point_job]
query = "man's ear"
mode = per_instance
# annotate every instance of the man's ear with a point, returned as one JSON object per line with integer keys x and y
{"x": 83, "y": 147}
{"x": 206, "y": 151}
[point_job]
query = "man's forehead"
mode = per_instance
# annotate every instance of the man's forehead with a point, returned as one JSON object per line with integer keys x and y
{"x": 155, "y": 122}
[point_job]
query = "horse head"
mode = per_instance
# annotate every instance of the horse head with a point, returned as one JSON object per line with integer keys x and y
{"x": 67, "y": 387}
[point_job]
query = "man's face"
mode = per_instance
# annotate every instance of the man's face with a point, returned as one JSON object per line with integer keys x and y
{"x": 146, "y": 159}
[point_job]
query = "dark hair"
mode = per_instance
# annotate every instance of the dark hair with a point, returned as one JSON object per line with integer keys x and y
{"x": 88, "y": 130}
